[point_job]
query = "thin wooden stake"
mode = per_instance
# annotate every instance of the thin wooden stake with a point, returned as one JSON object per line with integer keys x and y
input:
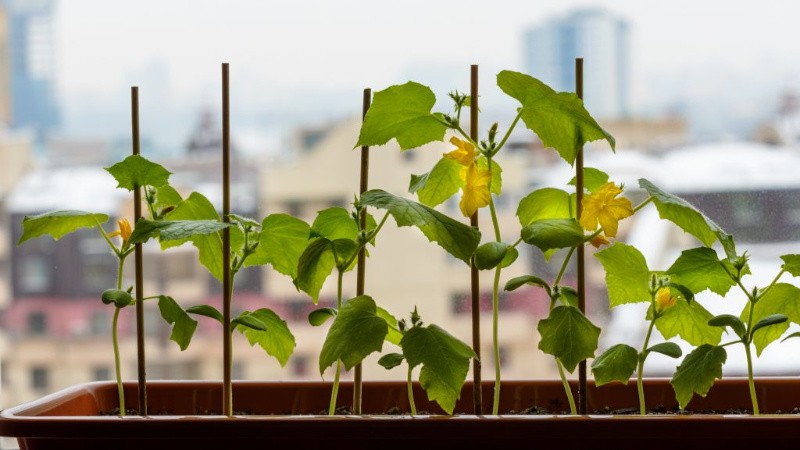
{"x": 362, "y": 254}
{"x": 581, "y": 253}
{"x": 477, "y": 390}
{"x": 138, "y": 263}
{"x": 227, "y": 355}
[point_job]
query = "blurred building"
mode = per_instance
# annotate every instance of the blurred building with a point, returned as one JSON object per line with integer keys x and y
{"x": 603, "y": 40}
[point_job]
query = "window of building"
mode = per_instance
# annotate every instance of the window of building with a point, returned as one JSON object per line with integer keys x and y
{"x": 101, "y": 373}
{"x": 40, "y": 378}
{"x": 37, "y": 323}
{"x": 99, "y": 323}
{"x": 34, "y": 276}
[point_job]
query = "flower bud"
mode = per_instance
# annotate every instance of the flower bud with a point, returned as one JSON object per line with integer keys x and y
{"x": 664, "y": 299}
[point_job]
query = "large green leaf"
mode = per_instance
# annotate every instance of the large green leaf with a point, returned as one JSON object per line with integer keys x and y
{"x": 136, "y": 170}
{"x": 314, "y": 266}
{"x": 697, "y": 372}
{"x": 335, "y": 223}
{"x": 444, "y": 359}
{"x": 394, "y": 335}
{"x": 276, "y": 340}
{"x": 568, "y": 335}
{"x": 558, "y": 118}
{"x": 402, "y": 112}
{"x": 209, "y": 246}
{"x": 547, "y": 234}
{"x": 690, "y": 322}
{"x": 545, "y": 203}
{"x": 357, "y": 331}
{"x": 438, "y": 185}
{"x": 791, "y": 264}
{"x": 283, "y": 239}
{"x": 171, "y": 230}
{"x": 615, "y": 364}
{"x": 687, "y": 217}
{"x": 167, "y": 196}
{"x": 699, "y": 269}
{"x": 627, "y": 275}
{"x": 458, "y": 239}
{"x": 58, "y": 223}
{"x": 183, "y": 326}
{"x": 782, "y": 298}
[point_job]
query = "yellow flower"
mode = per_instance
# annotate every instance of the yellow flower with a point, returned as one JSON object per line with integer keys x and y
{"x": 664, "y": 299}
{"x": 599, "y": 241}
{"x": 124, "y": 231}
{"x": 601, "y": 207}
{"x": 475, "y": 192}
{"x": 464, "y": 154}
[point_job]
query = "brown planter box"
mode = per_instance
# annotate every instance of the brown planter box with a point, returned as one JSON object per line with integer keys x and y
{"x": 274, "y": 417}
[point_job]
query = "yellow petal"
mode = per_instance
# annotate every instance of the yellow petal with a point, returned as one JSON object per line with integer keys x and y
{"x": 475, "y": 192}
{"x": 664, "y": 299}
{"x": 464, "y": 154}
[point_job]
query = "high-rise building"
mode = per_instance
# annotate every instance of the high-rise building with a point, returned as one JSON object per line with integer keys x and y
{"x": 31, "y": 57}
{"x": 599, "y": 37}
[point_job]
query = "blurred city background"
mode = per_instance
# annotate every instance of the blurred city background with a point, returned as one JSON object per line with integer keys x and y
{"x": 702, "y": 98}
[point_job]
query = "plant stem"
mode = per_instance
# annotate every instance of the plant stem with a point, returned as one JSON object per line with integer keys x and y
{"x": 750, "y": 382}
{"x": 411, "y": 394}
{"x": 567, "y": 390}
{"x": 563, "y": 267}
{"x": 335, "y": 389}
{"x": 495, "y": 339}
{"x": 640, "y": 367}
{"x": 115, "y": 341}
{"x": 510, "y": 129}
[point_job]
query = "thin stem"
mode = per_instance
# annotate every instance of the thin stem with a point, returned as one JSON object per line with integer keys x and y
{"x": 564, "y": 266}
{"x": 774, "y": 280}
{"x": 335, "y": 391}
{"x": 115, "y": 343}
{"x": 108, "y": 240}
{"x": 642, "y": 205}
{"x": 640, "y": 367}
{"x": 411, "y": 403}
{"x": 508, "y": 133}
{"x": 567, "y": 389}
{"x": 750, "y": 382}
{"x": 496, "y": 340}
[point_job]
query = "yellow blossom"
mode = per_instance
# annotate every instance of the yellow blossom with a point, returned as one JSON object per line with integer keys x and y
{"x": 475, "y": 192}
{"x": 599, "y": 240}
{"x": 124, "y": 231}
{"x": 602, "y": 207}
{"x": 664, "y": 299}
{"x": 464, "y": 154}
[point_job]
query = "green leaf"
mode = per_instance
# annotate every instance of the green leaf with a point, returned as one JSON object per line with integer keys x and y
{"x": 118, "y": 297}
{"x": 167, "y": 196}
{"x": 356, "y": 332}
{"x": 456, "y": 238}
{"x": 206, "y": 311}
{"x": 793, "y": 335}
{"x": 697, "y": 372}
{"x": 335, "y": 223}
{"x": 402, "y": 112}
{"x": 545, "y": 203}
{"x": 558, "y": 118}
{"x": 58, "y": 223}
{"x": 568, "y": 335}
{"x": 593, "y": 179}
{"x": 320, "y": 316}
{"x": 615, "y": 364}
{"x": 490, "y": 255}
{"x": 511, "y": 255}
{"x": 769, "y": 321}
{"x": 276, "y": 340}
{"x": 136, "y": 171}
{"x": 781, "y": 298}
{"x": 687, "y": 217}
{"x": 517, "y": 282}
{"x": 344, "y": 251}
{"x": 497, "y": 174}
{"x": 699, "y": 269}
{"x": 171, "y": 230}
{"x": 281, "y": 243}
{"x": 670, "y": 349}
{"x": 549, "y": 234}
{"x": 791, "y": 264}
{"x": 209, "y": 246}
{"x": 566, "y": 295}
{"x": 183, "y": 325}
{"x": 391, "y": 360}
{"x": 245, "y": 320}
{"x": 438, "y": 185}
{"x": 314, "y": 266}
{"x": 627, "y": 275}
{"x": 394, "y": 335}
{"x": 690, "y": 322}
{"x": 445, "y": 363}
{"x": 729, "y": 320}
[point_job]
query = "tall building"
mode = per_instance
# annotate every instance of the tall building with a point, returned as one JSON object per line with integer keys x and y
{"x": 31, "y": 57}
{"x": 599, "y": 37}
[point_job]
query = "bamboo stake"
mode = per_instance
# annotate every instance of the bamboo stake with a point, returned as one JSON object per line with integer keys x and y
{"x": 138, "y": 262}
{"x": 362, "y": 254}
{"x": 581, "y": 253}
{"x": 477, "y": 391}
{"x": 227, "y": 355}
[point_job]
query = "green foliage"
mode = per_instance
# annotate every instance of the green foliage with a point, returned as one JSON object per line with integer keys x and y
{"x": 690, "y": 322}
{"x": 456, "y": 238}
{"x": 394, "y": 335}
{"x": 729, "y": 320}
{"x": 136, "y": 171}
{"x": 247, "y": 321}
{"x": 402, "y": 112}
{"x": 791, "y": 264}
{"x": 568, "y": 335}
{"x": 593, "y": 179}
{"x": 497, "y": 174}
{"x": 517, "y": 282}
{"x": 558, "y": 118}
{"x": 318, "y": 317}
{"x": 117, "y": 297}
{"x": 334, "y": 223}
{"x": 670, "y": 349}
{"x": 782, "y": 298}
{"x": 438, "y": 185}
{"x": 444, "y": 359}
{"x": 699, "y": 269}
{"x": 166, "y": 196}
{"x": 314, "y": 266}
{"x": 276, "y": 339}
{"x": 209, "y": 246}
{"x": 391, "y": 360}
{"x": 183, "y": 325}
{"x": 490, "y": 255}
{"x": 282, "y": 241}
{"x": 547, "y": 234}
{"x": 697, "y": 372}
{"x": 172, "y": 230}
{"x": 357, "y": 331}
{"x": 545, "y": 203}
{"x": 615, "y": 364}
{"x": 206, "y": 311}
{"x": 627, "y": 275}
{"x": 58, "y": 223}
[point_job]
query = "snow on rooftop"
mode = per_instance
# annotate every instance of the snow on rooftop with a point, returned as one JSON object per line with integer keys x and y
{"x": 83, "y": 188}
